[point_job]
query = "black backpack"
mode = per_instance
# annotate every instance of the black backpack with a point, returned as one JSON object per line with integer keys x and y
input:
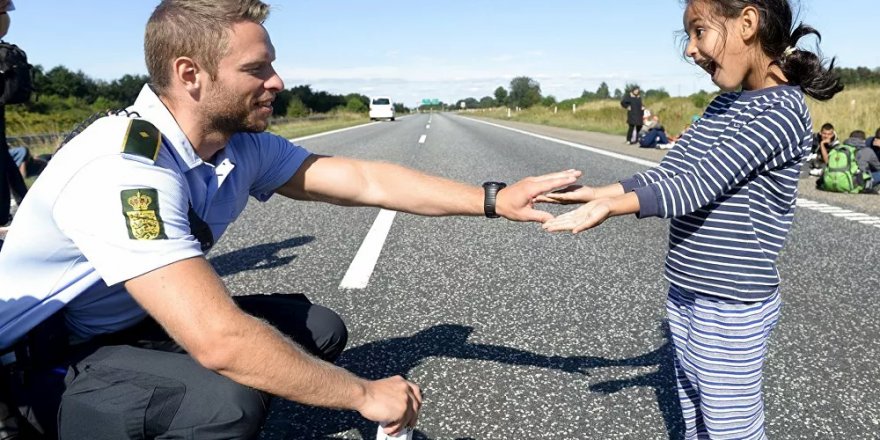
{"x": 16, "y": 74}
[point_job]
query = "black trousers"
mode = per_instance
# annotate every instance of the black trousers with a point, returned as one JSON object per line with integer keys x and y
{"x": 632, "y": 133}
{"x": 140, "y": 384}
{"x": 10, "y": 177}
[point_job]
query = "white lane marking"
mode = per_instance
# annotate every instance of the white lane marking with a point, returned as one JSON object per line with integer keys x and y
{"x": 361, "y": 268}
{"x": 332, "y": 132}
{"x": 422, "y": 139}
{"x": 845, "y": 214}
{"x": 646, "y": 163}
{"x": 428, "y": 127}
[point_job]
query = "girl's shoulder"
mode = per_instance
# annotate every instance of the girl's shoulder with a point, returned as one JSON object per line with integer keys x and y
{"x": 758, "y": 101}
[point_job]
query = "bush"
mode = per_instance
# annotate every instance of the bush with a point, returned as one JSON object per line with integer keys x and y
{"x": 296, "y": 108}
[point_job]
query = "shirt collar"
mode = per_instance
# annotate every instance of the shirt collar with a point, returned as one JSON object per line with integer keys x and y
{"x": 150, "y": 107}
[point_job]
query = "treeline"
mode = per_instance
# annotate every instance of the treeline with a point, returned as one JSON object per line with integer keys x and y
{"x": 524, "y": 92}
{"x": 63, "y": 98}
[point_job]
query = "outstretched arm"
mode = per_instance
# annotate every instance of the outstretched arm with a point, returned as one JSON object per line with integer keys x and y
{"x": 345, "y": 181}
{"x": 190, "y": 301}
{"x": 594, "y": 213}
{"x": 580, "y": 194}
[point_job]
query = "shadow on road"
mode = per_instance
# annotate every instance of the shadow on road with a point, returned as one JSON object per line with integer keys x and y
{"x": 261, "y": 256}
{"x": 399, "y": 356}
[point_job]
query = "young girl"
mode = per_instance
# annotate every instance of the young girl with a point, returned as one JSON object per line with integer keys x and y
{"x": 729, "y": 185}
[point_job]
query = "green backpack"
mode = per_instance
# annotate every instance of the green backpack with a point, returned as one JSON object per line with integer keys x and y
{"x": 842, "y": 173}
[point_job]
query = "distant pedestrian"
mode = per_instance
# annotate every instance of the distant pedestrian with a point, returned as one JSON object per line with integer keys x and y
{"x": 632, "y": 102}
{"x": 729, "y": 186}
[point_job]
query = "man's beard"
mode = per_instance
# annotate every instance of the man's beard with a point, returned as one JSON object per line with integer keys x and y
{"x": 228, "y": 115}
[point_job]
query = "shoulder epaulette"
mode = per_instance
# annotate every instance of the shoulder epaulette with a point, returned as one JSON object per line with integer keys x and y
{"x": 142, "y": 139}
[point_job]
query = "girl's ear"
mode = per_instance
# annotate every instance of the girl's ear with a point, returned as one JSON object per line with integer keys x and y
{"x": 749, "y": 20}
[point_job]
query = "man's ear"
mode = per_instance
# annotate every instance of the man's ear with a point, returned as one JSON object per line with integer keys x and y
{"x": 749, "y": 21}
{"x": 188, "y": 74}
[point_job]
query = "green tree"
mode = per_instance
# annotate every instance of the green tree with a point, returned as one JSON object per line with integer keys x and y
{"x": 660, "y": 93}
{"x": 487, "y": 102}
{"x": 602, "y": 92}
{"x": 355, "y": 104}
{"x": 618, "y": 94}
{"x": 123, "y": 90}
{"x": 548, "y": 101}
{"x": 501, "y": 95}
{"x": 296, "y": 108}
{"x": 524, "y": 92}
{"x": 62, "y": 81}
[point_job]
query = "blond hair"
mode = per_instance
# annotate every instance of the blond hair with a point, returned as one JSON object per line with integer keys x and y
{"x": 198, "y": 29}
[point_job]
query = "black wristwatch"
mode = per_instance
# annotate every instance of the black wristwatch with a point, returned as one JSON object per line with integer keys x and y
{"x": 491, "y": 190}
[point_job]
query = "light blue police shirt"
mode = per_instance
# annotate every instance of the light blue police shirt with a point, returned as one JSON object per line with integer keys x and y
{"x": 70, "y": 243}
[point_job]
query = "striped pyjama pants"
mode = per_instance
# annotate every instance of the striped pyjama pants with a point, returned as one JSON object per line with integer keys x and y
{"x": 720, "y": 348}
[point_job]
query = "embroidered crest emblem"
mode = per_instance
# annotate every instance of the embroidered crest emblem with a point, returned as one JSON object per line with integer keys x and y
{"x": 141, "y": 209}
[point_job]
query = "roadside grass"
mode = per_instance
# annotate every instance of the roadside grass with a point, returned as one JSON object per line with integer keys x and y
{"x": 853, "y": 109}
{"x": 305, "y": 127}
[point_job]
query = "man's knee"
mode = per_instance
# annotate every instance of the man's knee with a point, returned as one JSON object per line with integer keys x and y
{"x": 237, "y": 411}
{"x": 330, "y": 331}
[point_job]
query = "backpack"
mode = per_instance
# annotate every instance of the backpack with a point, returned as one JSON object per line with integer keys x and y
{"x": 842, "y": 174}
{"x": 16, "y": 74}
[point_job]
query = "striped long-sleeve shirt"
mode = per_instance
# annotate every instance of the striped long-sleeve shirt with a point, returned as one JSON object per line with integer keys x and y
{"x": 730, "y": 186}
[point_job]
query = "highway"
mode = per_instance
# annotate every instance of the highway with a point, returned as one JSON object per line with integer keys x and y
{"x": 514, "y": 333}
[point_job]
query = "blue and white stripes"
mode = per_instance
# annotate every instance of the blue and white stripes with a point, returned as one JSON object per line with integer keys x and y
{"x": 730, "y": 186}
{"x": 720, "y": 348}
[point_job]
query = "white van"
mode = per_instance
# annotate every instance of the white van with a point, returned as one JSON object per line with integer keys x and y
{"x": 381, "y": 107}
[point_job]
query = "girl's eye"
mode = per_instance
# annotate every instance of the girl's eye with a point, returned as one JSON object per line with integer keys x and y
{"x": 699, "y": 32}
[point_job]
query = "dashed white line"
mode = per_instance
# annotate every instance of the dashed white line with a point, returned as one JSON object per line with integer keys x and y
{"x": 361, "y": 268}
{"x": 422, "y": 139}
{"x": 845, "y": 214}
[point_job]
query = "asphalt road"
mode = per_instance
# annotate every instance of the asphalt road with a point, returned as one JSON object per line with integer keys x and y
{"x": 513, "y": 333}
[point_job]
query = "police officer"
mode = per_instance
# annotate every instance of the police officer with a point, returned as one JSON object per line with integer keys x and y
{"x": 105, "y": 258}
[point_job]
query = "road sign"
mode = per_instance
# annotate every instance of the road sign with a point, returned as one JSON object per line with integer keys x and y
{"x": 433, "y": 101}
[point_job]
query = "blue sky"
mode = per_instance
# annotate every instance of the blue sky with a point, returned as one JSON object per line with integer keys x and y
{"x": 448, "y": 50}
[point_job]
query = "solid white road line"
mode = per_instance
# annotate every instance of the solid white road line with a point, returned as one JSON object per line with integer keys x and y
{"x": 801, "y": 202}
{"x": 422, "y": 139}
{"x": 332, "y": 132}
{"x": 361, "y": 268}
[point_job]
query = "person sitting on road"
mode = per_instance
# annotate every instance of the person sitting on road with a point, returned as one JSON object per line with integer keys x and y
{"x": 27, "y": 164}
{"x": 868, "y": 158}
{"x": 656, "y": 136}
{"x": 823, "y": 142}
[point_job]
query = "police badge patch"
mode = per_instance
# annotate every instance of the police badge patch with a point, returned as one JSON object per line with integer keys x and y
{"x": 141, "y": 209}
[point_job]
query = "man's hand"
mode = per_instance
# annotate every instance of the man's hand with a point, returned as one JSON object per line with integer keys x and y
{"x": 516, "y": 202}
{"x": 588, "y": 216}
{"x": 393, "y": 402}
{"x": 568, "y": 195}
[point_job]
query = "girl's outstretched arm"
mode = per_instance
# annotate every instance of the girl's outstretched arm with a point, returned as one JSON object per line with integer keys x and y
{"x": 594, "y": 213}
{"x": 580, "y": 194}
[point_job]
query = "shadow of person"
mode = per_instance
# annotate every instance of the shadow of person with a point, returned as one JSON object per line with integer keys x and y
{"x": 399, "y": 356}
{"x": 261, "y": 256}
{"x": 662, "y": 381}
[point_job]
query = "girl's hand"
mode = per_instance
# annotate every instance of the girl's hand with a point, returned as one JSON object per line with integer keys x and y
{"x": 588, "y": 216}
{"x": 568, "y": 195}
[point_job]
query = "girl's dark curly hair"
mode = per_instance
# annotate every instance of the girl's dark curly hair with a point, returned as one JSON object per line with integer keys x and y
{"x": 777, "y": 34}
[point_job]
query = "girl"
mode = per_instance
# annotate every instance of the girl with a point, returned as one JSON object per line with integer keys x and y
{"x": 729, "y": 185}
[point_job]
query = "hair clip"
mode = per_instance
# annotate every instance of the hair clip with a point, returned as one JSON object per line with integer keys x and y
{"x": 788, "y": 51}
